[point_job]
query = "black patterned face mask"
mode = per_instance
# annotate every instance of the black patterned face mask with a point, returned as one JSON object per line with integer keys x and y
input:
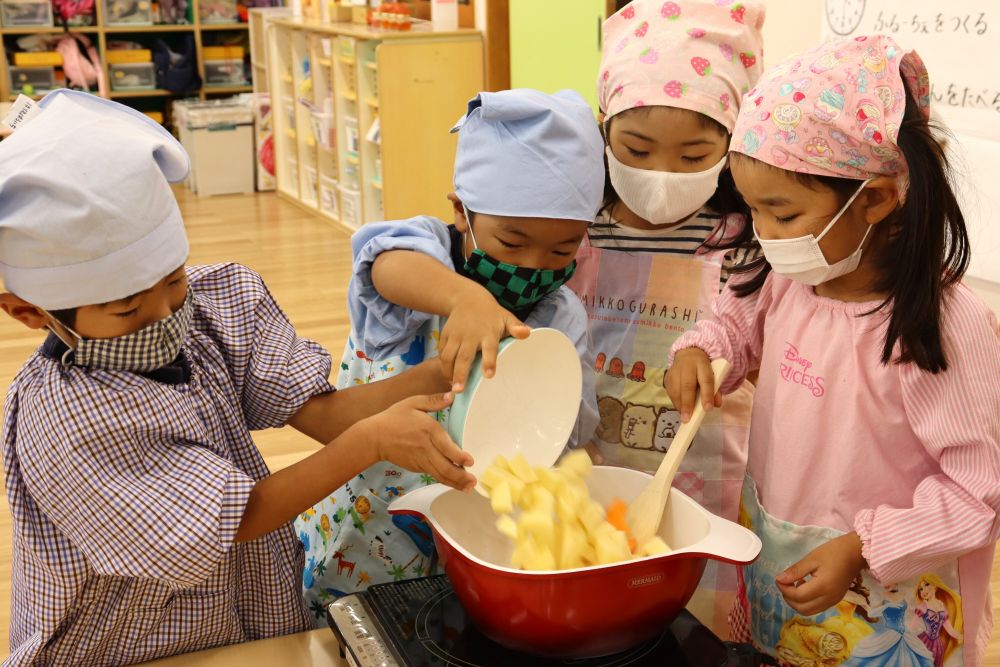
{"x": 141, "y": 351}
{"x": 514, "y": 287}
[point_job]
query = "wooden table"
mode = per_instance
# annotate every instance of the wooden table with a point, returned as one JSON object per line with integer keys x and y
{"x": 317, "y": 648}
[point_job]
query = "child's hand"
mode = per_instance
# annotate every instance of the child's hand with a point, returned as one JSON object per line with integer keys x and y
{"x": 477, "y": 322}
{"x": 692, "y": 370}
{"x": 831, "y": 569}
{"x": 410, "y": 438}
{"x": 595, "y": 454}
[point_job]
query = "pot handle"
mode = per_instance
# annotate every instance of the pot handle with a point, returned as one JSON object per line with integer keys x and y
{"x": 418, "y": 502}
{"x": 729, "y": 542}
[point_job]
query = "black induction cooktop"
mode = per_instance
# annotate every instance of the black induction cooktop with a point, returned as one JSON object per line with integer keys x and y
{"x": 420, "y": 623}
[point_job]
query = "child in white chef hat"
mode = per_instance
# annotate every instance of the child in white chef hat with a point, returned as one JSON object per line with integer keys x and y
{"x": 145, "y": 521}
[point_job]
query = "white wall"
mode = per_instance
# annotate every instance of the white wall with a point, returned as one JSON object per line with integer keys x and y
{"x": 790, "y": 26}
{"x": 988, "y": 291}
{"x": 480, "y": 14}
{"x": 793, "y": 26}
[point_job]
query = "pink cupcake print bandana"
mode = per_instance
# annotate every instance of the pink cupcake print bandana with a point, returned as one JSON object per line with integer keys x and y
{"x": 700, "y": 55}
{"x": 835, "y": 110}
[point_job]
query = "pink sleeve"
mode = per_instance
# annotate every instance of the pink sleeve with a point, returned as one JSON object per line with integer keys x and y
{"x": 734, "y": 332}
{"x": 956, "y": 415}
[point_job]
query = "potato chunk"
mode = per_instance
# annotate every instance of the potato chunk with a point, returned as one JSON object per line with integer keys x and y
{"x": 553, "y": 521}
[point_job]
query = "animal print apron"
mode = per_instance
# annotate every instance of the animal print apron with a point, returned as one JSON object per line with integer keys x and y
{"x": 916, "y": 623}
{"x": 351, "y": 541}
{"x": 638, "y": 305}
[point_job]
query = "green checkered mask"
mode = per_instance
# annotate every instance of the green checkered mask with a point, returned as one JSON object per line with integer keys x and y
{"x": 514, "y": 287}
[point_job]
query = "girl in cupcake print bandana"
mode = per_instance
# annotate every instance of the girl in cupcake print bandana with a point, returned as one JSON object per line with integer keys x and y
{"x": 860, "y": 284}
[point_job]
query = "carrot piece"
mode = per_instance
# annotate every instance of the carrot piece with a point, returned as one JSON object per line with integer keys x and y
{"x": 616, "y": 517}
{"x": 616, "y": 514}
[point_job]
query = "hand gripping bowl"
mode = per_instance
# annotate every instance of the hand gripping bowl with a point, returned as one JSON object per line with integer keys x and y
{"x": 528, "y": 407}
{"x": 581, "y": 613}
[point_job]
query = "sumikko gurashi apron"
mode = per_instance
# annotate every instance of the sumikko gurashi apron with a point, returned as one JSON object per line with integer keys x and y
{"x": 916, "y": 623}
{"x": 638, "y": 304}
{"x": 351, "y": 541}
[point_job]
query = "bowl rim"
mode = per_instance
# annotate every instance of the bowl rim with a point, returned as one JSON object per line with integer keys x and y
{"x": 699, "y": 549}
{"x": 468, "y": 393}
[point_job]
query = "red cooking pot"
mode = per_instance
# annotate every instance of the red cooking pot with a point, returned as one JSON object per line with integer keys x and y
{"x": 585, "y": 612}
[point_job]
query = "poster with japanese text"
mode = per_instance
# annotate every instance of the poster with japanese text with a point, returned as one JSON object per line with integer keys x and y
{"x": 959, "y": 41}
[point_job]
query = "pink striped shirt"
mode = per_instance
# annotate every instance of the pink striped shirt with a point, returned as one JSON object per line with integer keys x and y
{"x": 908, "y": 459}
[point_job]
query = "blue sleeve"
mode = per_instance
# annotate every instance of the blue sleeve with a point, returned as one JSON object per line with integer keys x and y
{"x": 562, "y": 310}
{"x": 381, "y": 328}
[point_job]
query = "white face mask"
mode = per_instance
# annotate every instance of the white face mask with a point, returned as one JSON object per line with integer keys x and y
{"x": 662, "y": 197}
{"x": 802, "y": 260}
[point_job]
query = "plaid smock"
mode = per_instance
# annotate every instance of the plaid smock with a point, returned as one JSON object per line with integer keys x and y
{"x": 127, "y": 492}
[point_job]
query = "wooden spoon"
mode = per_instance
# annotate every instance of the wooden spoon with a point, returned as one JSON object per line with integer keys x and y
{"x": 646, "y": 511}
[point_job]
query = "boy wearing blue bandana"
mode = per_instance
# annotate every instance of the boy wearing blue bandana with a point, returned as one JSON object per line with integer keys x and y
{"x": 529, "y": 175}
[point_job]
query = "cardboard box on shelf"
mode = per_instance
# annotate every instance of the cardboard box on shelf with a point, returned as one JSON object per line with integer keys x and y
{"x": 121, "y": 56}
{"x": 222, "y": 53}
{"x": 38, "y": 59}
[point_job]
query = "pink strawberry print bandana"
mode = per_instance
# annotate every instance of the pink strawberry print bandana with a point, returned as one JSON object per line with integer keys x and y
{"x": 700, "y": 55}
{"x": 835, "y": 110}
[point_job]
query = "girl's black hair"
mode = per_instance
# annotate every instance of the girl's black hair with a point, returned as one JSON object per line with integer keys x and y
{"x": 725, "y": 201}
{"x": 924, "y": 245}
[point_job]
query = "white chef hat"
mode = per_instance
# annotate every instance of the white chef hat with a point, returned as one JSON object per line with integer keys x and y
{"x": 87, "y": 215}
{"x": 526, "y": 154}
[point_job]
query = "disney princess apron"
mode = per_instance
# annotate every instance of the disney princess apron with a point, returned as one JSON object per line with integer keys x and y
{"x": 638, "y": 305}
{"x": 351, "y": 541}
{"x": 917, "y": 623}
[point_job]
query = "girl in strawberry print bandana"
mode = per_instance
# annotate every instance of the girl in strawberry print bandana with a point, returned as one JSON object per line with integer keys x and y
{"x": 873, "y": 476}
{"x": 658, "y": 254}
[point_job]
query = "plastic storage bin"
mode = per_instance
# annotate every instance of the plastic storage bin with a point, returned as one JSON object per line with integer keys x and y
{"x": 351, "y": 140}
{"x": 345, "y": 47}
{"x": 117, "y": 12}
{"x": 218, "y": 136}
{"x": 82, "y": 20}
{"x": 291, "y": 179}
{"x": 264, "y": 114}
{"x": 224, "y": 73}
{"x": 310, "y": 184}
{"x": 350, "y": 207}
{"x": 324, "y": 129}
{"x": 26, "y": 13}
{"x": 328, "y": 196}
{"x": 352, "y": 180}
{"x": 132, "y": 76}
{"x": 289, "y": 105}
{"x": 219, "y": 11}
{"x": 32, "y": 80}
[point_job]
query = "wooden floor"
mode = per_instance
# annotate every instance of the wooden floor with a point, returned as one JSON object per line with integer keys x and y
{"x": 306, "y": 263}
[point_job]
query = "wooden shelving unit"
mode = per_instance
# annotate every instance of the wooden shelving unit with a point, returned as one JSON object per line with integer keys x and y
{"x": 100, "y": 34}
{"x": 362, "y": 116}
